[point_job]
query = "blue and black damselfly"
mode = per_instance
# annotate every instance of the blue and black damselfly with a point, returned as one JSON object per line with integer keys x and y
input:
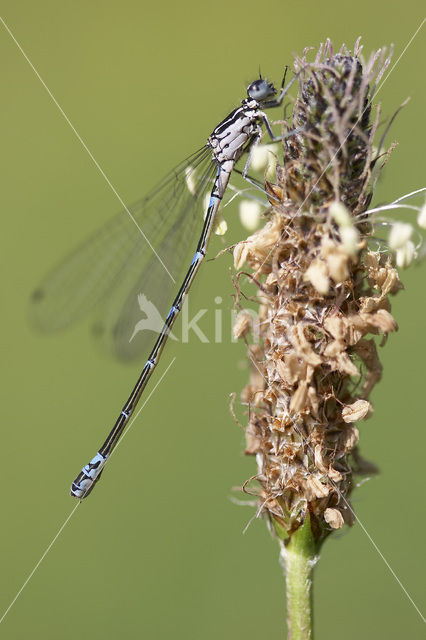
{"x": 114, "y": 254}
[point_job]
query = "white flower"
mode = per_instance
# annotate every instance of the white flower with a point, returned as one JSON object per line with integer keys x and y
{"x": 399, "y": 235}
{"x": 250, "y": 211}
{"x": 340, "y": 214}
{"x": 405, "y": 254}
{"x": 220, "y": 225}
{"x": 263, "y": 155}
{"x": 349, "y": 237}
{"x": 421, "y": 218}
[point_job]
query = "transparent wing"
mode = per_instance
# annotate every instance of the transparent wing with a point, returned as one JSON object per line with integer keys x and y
{"x": 116, "y": 267}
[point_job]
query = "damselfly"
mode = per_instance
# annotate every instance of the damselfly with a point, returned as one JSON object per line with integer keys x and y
{"x": 113, "y": 255}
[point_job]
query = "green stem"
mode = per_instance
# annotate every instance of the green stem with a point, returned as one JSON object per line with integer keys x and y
{"x": 299, "y": 557}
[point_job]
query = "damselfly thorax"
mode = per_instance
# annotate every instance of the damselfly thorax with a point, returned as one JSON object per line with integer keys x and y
{"x": 242, "y": 125}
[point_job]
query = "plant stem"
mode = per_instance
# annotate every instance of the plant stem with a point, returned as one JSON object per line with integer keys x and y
{"x": 299, "y": 557}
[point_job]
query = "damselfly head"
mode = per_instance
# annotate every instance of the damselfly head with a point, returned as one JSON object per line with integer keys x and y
{"x": 261, "y": 89}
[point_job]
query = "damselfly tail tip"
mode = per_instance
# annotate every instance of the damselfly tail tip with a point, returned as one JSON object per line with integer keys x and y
{"x": 75, "y": 492}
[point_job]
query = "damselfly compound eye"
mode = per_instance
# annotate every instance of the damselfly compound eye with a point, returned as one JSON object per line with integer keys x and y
{"x": 260, "y": 89}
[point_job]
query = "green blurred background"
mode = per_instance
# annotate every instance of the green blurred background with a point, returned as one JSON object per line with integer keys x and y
{"x": 158, "y": 550}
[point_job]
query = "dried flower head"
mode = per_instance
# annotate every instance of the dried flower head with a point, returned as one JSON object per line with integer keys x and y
{"x": 324, "y": 296}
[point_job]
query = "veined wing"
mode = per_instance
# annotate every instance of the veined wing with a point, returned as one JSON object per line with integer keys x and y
{"x": 116, "y": 262}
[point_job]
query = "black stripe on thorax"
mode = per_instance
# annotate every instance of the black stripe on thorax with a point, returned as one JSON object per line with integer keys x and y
{"x": 233, "y": 117}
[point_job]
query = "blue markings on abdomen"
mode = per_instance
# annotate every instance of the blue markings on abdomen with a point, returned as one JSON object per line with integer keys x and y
{"x": 198, "y": 256}
{"x": 172, "y": 311}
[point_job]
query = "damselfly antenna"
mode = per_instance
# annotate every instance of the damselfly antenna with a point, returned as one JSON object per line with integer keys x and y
{"x": 284, "y": 76}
